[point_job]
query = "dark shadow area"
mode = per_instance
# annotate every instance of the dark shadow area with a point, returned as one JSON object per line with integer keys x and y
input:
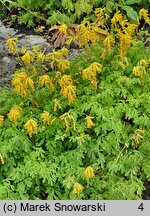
{"x": 146, "y": 193}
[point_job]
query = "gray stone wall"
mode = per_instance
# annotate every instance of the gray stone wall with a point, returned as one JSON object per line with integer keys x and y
{"x": 8, "y": 62}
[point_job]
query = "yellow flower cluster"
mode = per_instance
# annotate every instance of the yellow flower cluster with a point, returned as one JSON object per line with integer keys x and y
{"x": 91, "y": 72}
{"x": 89, "y": 172}
{"x": 108, "y": 42}
{"x": 57, "y": 105}
{"x": 1, "y": 120}
{"x": 77, "y": 188}
{"x": 125, "y": 41}
{"x": 68, "y": 119}
{"x": 67, "y": 88}
{"x": 124, "y": 31}
{"x": 56, "y": 61}
{"x": 143, "y": 14}
{"x": 47, "y": 81}
{"x": 90, "y": 32}
{"x": 63, "y": 28}
{"x": 46, "y": 118}
{"x": 89, "y": 122}
{"x": 28, "y": 57}
{"x": 117, "y": 18}
{"x": 63, "y": 65}
{"x": 99, "y": 12}
{"x": 70, "y": 93}
{"x": 11, "y": 44}
{"x": 22, "y": 83}
{"x": 39, "y": 55}
{"x": 140, "y": 69}
{"x": 14, "y": 113}
{"x": 31, "y": 127}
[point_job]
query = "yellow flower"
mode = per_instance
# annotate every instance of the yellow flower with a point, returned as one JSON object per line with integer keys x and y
{"x": 1, "y": 159}
{"x": 67, "y": 124}
{"x": 99, "y": 12}
{"x": 108, "y": 42}
{"x": 40, "y": 57}
{"x": 11, "y": 43}
{"x": 90, "y": 72}
{"x": 69, "y": 92}
{"x": 23, "y": 50}
{"x": 89, "y": 172}
{"x": 63, "y": 28}
{"x": 77, "y": 188}
{"x": 28, "y": 57}
{"x": 89, "y": 122}
{"x": 143, "y": 14}
{"x": 30, "y": 83}
{"x": 14, "y": 113}
{"x": 57, "y": 54}
{"x": 140, "y": 69}
{"x": 31, "y": 127}
{"x": 46, "y": 80}
{"x": 57, "y": 105}
{"x": 65, "y": 118}
{"x": 22, "y": 83}
{"x": 33, "y": 70}
{"x": 64, "y": 51}
{"x": 63, "y": 65}
{"x": 47, "y": 118}
{"x": 67, "y": 88}
{"x": 96, "y": 67}
{"x": 36, "y": 48}
{"x": 1, "y": 120}
{"x": 116, "y": 18}
{"x": 68, "y": 119}
{"x": 65, "y": 80}
{"x": 124, "y": 42}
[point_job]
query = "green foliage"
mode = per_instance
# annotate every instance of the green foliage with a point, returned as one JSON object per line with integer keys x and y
{"x": 48, "y": 164}
{"x": 67, "y": 11}
{"x": 129, "y": 7}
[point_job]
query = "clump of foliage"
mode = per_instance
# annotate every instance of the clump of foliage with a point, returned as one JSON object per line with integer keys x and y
{"x": 80, "y": 129}
{"x": 68, "y": 11}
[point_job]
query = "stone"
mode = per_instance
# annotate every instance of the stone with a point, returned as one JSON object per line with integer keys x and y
{"x": 8, "y": 63}
{"x": 31, "y": 40}
{"x": 1, "y": 23}
{"x": 7, "y": 68}
{"x": 6, "y": 33}
{"x": 3, "y": 49}
{"x": 74, "y": 53}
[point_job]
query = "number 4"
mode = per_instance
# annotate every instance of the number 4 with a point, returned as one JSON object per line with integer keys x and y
{"x": 141, "y": 207}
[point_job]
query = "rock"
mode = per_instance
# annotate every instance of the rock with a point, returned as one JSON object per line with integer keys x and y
{"x": 8, "y": 62}
{"x": 6, "y": 33}
{"x": 32, "y": 40}
{"x": 3, "y": 49}
{"x": 74, "y": 53}
{"x": 1, "y": 24}
{"x": 7, "y": 68}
